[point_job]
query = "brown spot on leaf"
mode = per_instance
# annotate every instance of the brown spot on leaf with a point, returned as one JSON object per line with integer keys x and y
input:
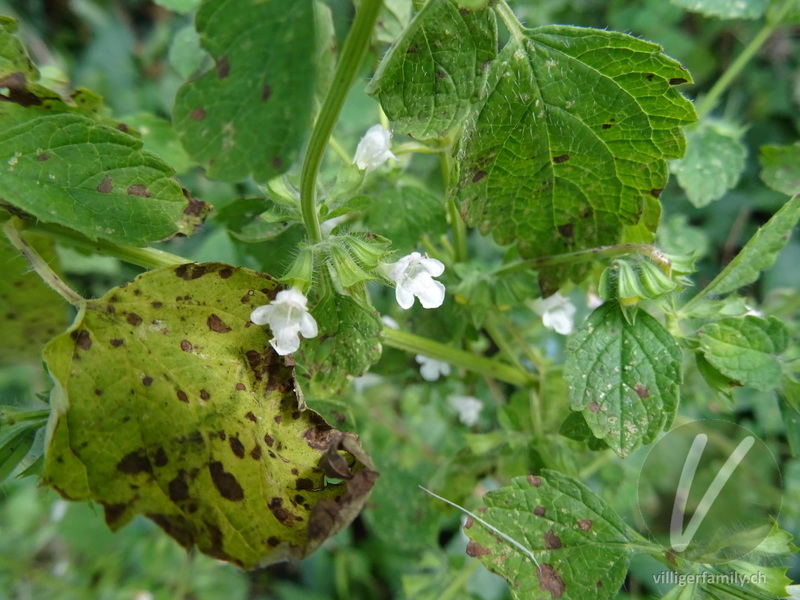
{"x": 116, "y": 342}
{"x": 216, "y": 324}
{"x": 318, "y": 438}
{"x": 412, "y": 49}
{"x": 182, "y": 396}
{"x": 178, "y": 488}
{"x": 198, "y": 114}
{"x": 240, "y": 387}
{"x": 105, "y": 186}
{"x": 122, "y": 127}
{"x": 139, "y": 190}
{"x": 585, "y": 524}
{"x": 113, "y": 512}
{"x": 236, "y": 446}
{"x": 534, "y": 480}
{"x": 133, "y": 319}
{"x": 134, "y": 463}
{"x": 98, "y": 392}
{"x": 226, "y": 483}
{"x": 82, "y": 339}
{"x": 594, "y": 407}
{"x": 478, "y": 176}
{"x": 255, "y": 453}
{"x": 190, "y": 271}
{"x": 276, "y": 163}
{"x": 566, "y": 230}
{"x": 268, "y": 440}
{"x": 550, "y": 580}
{"x": 147, "y": 381}
{"x": 469, "y": 523}
{"x": 552, "y": 541}
{"x": 186, "y": 345}
{"x": 650, "y": 76}
{"x": 251, "y": 417}
{"x": 677, "y": 81}
{"x": 266, "y": 92}
{"x": 561, "y": 159}
{"x": 304, "y": 485}
{"x": 606, "y": 126}
{"x": 223, "y": 67}
{"x": 641, "y": 391}
{"x": 273, "y": 542}
{"x": 475, "y": 550}
{"x": 43, "y": 157}
{"x": 204, "y": 395}
{"x": 656, "y": 192}
{"x": 160, "y": 459}
{"x": 156, "y": 304}
{"x": 539, "y": 511}
{"x": 225, "y": 273}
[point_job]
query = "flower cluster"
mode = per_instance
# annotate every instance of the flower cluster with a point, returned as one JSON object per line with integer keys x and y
{"x": 287, "y": 317}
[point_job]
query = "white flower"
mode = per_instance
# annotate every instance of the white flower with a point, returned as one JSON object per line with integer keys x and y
{"x": 413, "y": 275}
{"x": 287, "y": 316}
{"x": 593, "y": 300}
{"x": 468, "y": 408}
{"x": 557, "y": 313}
{"x": 431, "y": 369}
{"x": 373, "y": 149}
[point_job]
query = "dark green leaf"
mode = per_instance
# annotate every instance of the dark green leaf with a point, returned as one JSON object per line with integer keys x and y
{"x": 250, "y": 113}
{"x": 571, "y": 141}
{"x": 404, "y": 215}
{"x": 432, "y": 77}
{"x": 624, "y": 376}
{"x": 578, "y": 541}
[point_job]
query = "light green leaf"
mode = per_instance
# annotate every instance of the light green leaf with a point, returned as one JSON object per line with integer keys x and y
{"x": 14, "y": 60}
{"x": 624, "y": 376}
{"x": 780, "y": 168}
{"x": 404, "y": 215}
{"x": 32, "y": 313}
{"x": 15, "y": 442}
{"x": 186, "y": 55}
{"x": 254, "y": 220}
{"x": 571, "y": 141}
{"x": 713, "y": 162}
{"x": 71, "y": 170}
{"x": 758, "y": 254}
{"x": 745, "y": 349}
{"x": 348, "y": 343}
{"x": 250, "y": 113}
{"x": 160, "y": 138}
{"x": 392, "y": 20}
{"x": 579, "y": 542}
{"x": 726, "y": 9}
{"x": 169, "y": 403}
{"x": 432, "y": 77}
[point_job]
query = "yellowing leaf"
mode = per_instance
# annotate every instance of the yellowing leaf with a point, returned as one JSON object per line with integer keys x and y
{"x": 169, "y": 402}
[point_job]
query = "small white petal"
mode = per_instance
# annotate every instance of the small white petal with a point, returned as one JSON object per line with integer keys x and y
{"x": 429, "y": 292}
{"x": 285, "y": 341}
{"x": 430, "y": 368}
{"x": 404, "y": 298}
{"x": 389, "y": 322}
{"x": 433, "y": 266}
{"x": 308, "y": 326}
{"x": 373, "y": 149}
{"x": 468, "y": 408}
{"x": 261, "y": 315}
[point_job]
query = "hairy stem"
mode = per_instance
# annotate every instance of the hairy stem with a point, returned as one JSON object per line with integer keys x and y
{"x": 477, "y": 364}
{"x": 510, "y": 19}
{"x": 12, "y": 230}
{"x": 353, "y": 52}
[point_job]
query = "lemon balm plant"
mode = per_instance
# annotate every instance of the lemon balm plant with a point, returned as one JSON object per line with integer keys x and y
{"x": 231, "y": 403}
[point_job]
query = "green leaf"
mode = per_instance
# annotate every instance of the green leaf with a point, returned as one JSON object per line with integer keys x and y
{"x": 169, "y": 403}
{"x": 186, "y": 55}
{"x": 160, "y": 138}
{"x": 726, "y": 9}
{"x": 15, "y": 442}
{"x": 579, "y": 542}
{"x": 14, "y": 60}
{"x": 430, "y": 79}
{"x": 250, "y": 113}
{"x": 564, "y": 102}
{"x": 348, "y": 343}
{"x": 713, "y": 162}
{"x": 254, "y": 220}
{"x": 71, "y": 170}
{"x": 745, "y": 349}
{"x": 780, "y": 168}
{"x": 758, "y": 254}
{"x": 32, "y": 313}
{"x": 624, "y": 376}
{"x": 405, "y": 214}
{"x": 392, "y": 20}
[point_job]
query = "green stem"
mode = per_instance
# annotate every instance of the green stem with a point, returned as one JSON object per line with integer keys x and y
{"x": 454, "y": 590}
{"x": 709, "y": 101}
{"x": 415, "y": 344}
{"x": 456, "y": 222}
{"x": 590, "y": 254}
{"x": 510, "y": 20}
{"x": 501, "y": 340}
{"x": 149, "y": 258}
{"x": 353, "y": 52}
{"x": 12, "y": 230}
